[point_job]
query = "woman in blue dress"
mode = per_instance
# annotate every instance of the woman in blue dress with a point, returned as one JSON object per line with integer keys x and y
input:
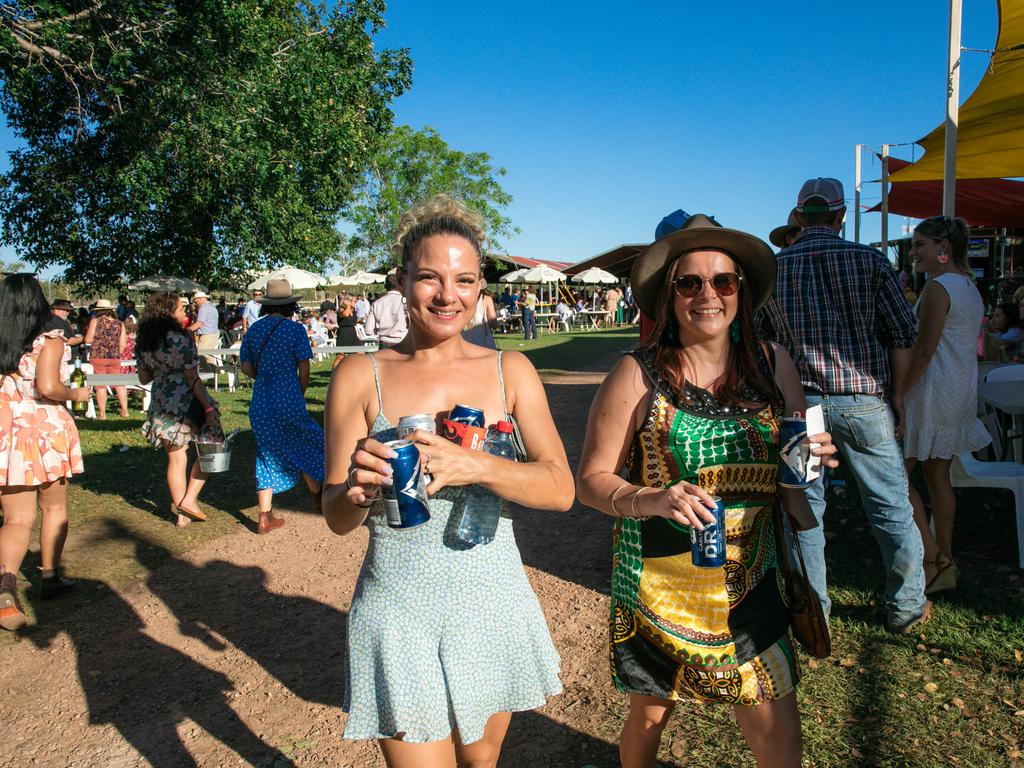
{"x": 444, "y": 641}
{"x": 289, "y": 444}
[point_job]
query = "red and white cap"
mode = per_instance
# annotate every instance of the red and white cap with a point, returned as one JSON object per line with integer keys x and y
{"x": 820, "y": 195}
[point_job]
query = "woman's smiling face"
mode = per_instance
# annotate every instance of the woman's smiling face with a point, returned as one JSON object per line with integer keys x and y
{"x": 442, "y": 285}
{"x": 707, "y": 314}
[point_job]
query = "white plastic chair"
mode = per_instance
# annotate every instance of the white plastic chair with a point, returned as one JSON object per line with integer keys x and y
{"x": 1010, "y": 372}
{"x": 967, "y": 472}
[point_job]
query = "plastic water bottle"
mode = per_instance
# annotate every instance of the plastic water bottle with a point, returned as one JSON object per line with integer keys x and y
{"x": 482, "y": 510}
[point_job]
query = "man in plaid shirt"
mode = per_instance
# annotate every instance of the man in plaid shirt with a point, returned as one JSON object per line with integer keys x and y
{"x": 853, "y": 332}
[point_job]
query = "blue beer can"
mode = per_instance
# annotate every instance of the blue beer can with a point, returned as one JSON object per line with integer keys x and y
{"x": 405, "y": 501}
{"x": 707, "y": 547}
{"x": 464, "y": 414}
{"x": 793, "y": 453}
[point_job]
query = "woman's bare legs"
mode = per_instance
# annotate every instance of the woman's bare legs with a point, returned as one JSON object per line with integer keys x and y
{"x": 19, "y": 505}
{"x": 432, "y": 754}
{"x": 184, "y": 494}
{"x": 772, "y": 731}
{"x": 122, "y": 399}
{"x": 450, "y": 752}
{"x": 934, "y": 558}
{"x": 101, "y": 402}
{"x": 641, "y": 736}
{"x": 484, "y": 752}
{"x": 943, "y": 498}
{"x": 53, "y": 531}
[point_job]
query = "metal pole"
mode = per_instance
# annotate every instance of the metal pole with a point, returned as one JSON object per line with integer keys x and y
{"x": 856, "y": 193}
{"x": 885, "y": 200}
{"x": 1002, "y": 252}
{"x": 952, "y": 110}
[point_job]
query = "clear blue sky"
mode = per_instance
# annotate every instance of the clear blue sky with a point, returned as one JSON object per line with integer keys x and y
{"x": 607, "y": 116}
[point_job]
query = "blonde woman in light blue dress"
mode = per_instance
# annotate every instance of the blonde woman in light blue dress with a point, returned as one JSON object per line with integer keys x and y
{"x": 445, "y": 640}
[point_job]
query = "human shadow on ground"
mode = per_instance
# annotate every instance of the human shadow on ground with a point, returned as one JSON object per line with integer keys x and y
{"x": 537, "y": 741}
{"x": 146, "y": 689}
{"x": 299, "y": 641}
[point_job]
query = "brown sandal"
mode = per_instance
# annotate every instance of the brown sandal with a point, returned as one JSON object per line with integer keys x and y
{"x": 945, "y": 577}
{"x": 193, "y": 514}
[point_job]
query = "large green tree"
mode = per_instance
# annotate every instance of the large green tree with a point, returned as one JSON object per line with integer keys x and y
{"x": 197, "y": 138}
{"x": 413, "y": 165}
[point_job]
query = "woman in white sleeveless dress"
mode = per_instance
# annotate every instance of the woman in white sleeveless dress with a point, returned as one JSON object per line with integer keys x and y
{"x": 940, "y": 388}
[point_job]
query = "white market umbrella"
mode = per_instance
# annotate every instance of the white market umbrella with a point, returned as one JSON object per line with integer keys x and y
{"x": 167, "y": 283}
{"x": 297, "y": 278}
{"x": 542, "y": 273}
{"x": 595, "y": 276}
{"x": 359, "y": 278}
{"x": 515, "y": 276}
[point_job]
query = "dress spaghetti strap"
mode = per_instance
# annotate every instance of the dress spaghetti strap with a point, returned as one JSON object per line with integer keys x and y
{"x": 376, "y": 383}
{"x": 501, "y": 381}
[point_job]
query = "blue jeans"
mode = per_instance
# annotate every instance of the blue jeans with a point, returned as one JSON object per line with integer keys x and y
{"x": 862, "y": 429}
{"x": 529, "y": 324}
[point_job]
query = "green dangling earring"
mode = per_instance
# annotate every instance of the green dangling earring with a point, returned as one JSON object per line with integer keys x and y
{"x": 734, "y": 331}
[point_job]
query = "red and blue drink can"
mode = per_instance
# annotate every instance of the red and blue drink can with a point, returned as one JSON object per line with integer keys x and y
{"x": 707, "y": 547}
{"x": 464, "y": 414}
{"x": 405, "y": 501}
{"x": 794, "y": 451}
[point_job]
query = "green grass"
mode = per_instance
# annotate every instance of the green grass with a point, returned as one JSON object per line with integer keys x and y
{"x": 952, "y": 694}
{"x": 554, "y": 353}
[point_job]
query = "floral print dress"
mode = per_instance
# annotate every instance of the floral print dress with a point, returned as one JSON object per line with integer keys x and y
{"x": 170, "y": 395}
{"x": 38, "y": 438}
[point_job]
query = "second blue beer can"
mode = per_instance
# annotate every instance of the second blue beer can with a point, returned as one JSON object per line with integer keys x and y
{"x": 793, "y": 453}
{"x": 465, "y": 414}
{"x": 405, "y": 501}
{"x": 707, "y": 547}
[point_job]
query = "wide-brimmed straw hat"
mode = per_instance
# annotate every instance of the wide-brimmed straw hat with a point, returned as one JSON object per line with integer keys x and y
{"x": 102, "y": 304}
{"x": 279, "y": 291}
{"x": 779, "y": 235}
{"x": 752, "y": 254}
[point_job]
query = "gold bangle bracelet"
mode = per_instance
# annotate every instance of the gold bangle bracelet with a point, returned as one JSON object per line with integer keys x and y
{"x": 615, "y": 494}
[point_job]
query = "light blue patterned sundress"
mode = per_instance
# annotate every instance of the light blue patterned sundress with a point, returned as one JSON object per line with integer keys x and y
{"x": 441, "y": 634}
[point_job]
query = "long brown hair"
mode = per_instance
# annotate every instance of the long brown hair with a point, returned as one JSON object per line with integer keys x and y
{"x": 670, "y": 355}
{"x": 157, "y": 320}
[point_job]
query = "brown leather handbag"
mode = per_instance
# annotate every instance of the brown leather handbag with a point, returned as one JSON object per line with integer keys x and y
{"x": 810, "y": 627}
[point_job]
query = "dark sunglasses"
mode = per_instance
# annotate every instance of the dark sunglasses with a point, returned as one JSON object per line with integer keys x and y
{"x": 724, "y": 283}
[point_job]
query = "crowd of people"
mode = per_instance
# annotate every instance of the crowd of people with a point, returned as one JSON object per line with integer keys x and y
{"x": 445, "y": 640}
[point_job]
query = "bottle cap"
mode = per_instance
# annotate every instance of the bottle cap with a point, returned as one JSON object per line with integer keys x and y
{"x": 505, "y": 426}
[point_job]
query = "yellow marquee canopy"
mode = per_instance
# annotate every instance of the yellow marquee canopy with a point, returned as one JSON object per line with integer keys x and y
{"x": 990, "y": 142}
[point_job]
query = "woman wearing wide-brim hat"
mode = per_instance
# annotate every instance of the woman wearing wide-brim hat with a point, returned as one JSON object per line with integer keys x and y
{"x": 289, "y": 443}
{"x": 694, "y": 413}
{"x": 106, "y": 337}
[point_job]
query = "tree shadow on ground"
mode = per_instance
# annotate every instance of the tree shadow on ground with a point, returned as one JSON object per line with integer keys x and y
{"x": 299, "y": 641}
{"x": 537, "y": 741}
{"x": 146, "y": 689}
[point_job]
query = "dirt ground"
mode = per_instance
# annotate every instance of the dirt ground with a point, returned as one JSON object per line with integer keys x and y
{"x": 233, "y": 656}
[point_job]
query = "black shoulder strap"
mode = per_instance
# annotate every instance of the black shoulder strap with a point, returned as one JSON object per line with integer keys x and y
{"x": 259, "y": 354}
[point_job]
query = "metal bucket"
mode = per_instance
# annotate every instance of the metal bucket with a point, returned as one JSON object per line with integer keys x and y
{"x": 213, "y": 457}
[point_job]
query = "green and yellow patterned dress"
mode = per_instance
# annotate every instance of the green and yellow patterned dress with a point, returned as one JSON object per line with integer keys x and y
{"x": 681, "y": 632}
